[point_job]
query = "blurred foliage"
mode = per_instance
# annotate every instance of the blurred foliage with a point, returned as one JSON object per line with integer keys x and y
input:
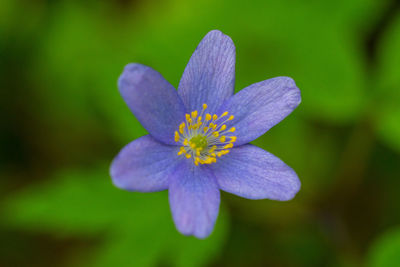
{"x": 137, "y": 228}
{"x": 387, "y": 94}
{"x": 386, "y": 250}
{"x": 65, "y": 118}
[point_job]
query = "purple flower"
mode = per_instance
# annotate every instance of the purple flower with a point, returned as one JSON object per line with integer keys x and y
{"x": 198, "y": 136}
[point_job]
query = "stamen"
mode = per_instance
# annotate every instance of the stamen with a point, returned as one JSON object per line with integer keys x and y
{"x": 181, "y": 151}
{"x": 213, "y": 149}
{"x": 230, "y": 145}
{"x": 176, "y": 136}
{"x": 204, "y": 141}
{"x": 224, "y": 152}
{"x": 182, "y": 127}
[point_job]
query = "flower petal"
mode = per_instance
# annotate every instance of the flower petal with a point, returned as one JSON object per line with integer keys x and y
{"x": 260, "y": 106}
{"x": 194, "y": 198}
{"x": 251, "y": 172}
{"x": 209, "y": 77}
{"x": 153, "y": 100}
{"x": 144, "y": 165}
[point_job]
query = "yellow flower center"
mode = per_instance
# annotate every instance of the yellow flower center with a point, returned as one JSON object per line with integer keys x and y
{"x": 205, "y": 139}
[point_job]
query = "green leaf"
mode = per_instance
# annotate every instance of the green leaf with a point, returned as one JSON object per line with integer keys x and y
{"x": 387, "y": 94}
{"x": 137, "y": 228}
{"x": 385, "y": 251}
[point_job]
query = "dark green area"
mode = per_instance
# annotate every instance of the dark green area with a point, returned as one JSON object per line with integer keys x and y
{"x": 63, "y": 121}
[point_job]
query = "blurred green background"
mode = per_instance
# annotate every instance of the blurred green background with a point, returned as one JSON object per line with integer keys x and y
{"x": 63, "y": 121}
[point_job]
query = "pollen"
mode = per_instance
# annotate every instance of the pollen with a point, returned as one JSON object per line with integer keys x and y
{"x": 230, "y": 145}
{"x": 204, "y": 136}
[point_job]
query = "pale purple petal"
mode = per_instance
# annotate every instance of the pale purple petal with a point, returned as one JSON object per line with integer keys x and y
{"x": 260, "y": 106}
{"x": 209, "y": 77}
{"x": 194, "y": 198}
{"x": 251, "y": 172}
{"x": 144, "y": 165}
{"x": 153, "y": 100}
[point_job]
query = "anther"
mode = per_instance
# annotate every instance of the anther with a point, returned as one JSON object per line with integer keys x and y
{"x": 230, "y": 145}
